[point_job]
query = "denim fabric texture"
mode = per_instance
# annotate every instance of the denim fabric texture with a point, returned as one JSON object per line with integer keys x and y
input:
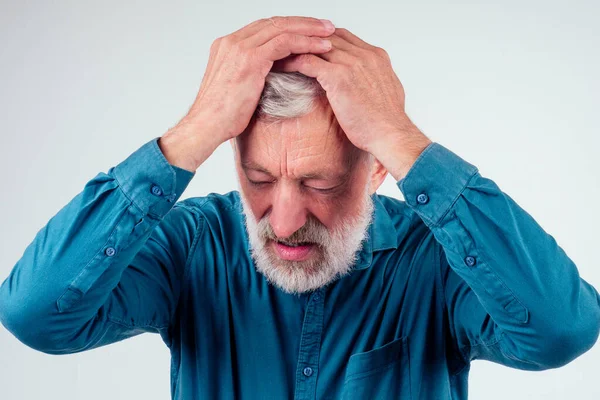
{"x": 455, "y": 273}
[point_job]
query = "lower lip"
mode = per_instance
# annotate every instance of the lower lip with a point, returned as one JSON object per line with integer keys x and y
{"x": 299, "y": 253}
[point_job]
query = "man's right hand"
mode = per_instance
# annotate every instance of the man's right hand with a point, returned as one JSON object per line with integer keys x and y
{"x": 233, "y": 82}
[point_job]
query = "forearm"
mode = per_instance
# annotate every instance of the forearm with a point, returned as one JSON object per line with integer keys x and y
{"x": 543, "y": 313}
{"x": 52, "y": 297}
{"x": 546, "y": 314}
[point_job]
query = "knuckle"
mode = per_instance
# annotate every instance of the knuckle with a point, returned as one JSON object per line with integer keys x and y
{"x": 258, "y": 22}
{"x": 305, "y": 58}
{"x": 370, "y": 60}
{"x": 289, "y": 40}
{"x": 279, "y": 22}
{"x": 280, "y": 40}
{"x": 316, "y": 41}
{"x": 226, "y": 40}
{"x": 381, "y": 52}
{"x": 297, "y": 39}
{"x": 283, "y": 22}
{"x": 236, "y": 47}
{"x": 216, "y": 44}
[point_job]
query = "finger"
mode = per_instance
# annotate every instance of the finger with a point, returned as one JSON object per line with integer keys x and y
{"x": 288, "y": 43}
{"x": 342, "y": 51}
{"x": 352, "y": 38}
{"x": 339, "y": 56}
{"x": 307, "y": 64}
{"x": 339, "y": 42}
{"x": 272, "y": 27}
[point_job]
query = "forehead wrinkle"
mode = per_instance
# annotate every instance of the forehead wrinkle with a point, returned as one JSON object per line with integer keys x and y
{"x": 293, "y": 149}
{"x": 336, "y": 137}
{"x": 271, "y": 144}
{"x": 296, "y": 147}
{"x": 260, "y": 149}
{"x": 305, "y": 159}
{"x": 328, "y": 143}
{"x": 310, "y": 174}
{"x": 325, "y": 175}
{"x": 284, "y": 167}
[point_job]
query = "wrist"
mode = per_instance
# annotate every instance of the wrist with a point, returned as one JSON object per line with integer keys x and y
{"x": 400, "y": 151}
{"x": 187, "y": 145}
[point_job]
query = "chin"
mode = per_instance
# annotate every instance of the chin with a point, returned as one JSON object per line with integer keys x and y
{"x": 297, "y": 277}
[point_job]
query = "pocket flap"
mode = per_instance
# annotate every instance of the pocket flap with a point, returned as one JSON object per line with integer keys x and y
{"x": 364, "y": 363}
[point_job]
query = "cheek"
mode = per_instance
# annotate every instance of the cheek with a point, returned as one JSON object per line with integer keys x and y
{"x": 337, "y": 208}
{"x": 330, "y": 210}
{"x": 258, "y": 201}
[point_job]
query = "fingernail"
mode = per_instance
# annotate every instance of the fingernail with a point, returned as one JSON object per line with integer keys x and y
{"x": 328, "y": 24}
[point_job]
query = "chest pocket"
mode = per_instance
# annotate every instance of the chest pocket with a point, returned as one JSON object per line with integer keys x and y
{"x": 381, "y": 373}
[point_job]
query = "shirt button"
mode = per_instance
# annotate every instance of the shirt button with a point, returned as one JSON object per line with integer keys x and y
{"x": 470, "y": 261}
{"x": 307, "y": 371}
{"x": 317, "y": 296}
{"x": 422, "y": 198}
{"x": 156, "y": 190}
{"x": 110, "y": 251}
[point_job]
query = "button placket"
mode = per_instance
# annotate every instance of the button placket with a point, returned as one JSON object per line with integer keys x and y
{"x": 307, "y": 368}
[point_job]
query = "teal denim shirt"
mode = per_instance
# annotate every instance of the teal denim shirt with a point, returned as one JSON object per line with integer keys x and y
{"x": 455, "y": 273}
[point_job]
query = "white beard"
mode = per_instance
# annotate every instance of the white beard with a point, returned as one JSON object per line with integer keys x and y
{"x": 338, "y": 250}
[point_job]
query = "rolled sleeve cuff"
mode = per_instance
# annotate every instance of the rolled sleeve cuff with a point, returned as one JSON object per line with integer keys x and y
{"x": 434, "y": 182}
{"x": 149, "y": 181}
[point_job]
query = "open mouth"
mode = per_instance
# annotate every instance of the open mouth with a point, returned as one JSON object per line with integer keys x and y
{"x": 297, "y": 251}
{"x": 296, "y": 244}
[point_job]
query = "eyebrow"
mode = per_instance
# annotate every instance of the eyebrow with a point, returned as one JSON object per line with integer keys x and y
{"x": 312, "y": 175}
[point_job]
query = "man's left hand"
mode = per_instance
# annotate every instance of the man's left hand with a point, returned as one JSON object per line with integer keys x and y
{"x": 366, "y": 97}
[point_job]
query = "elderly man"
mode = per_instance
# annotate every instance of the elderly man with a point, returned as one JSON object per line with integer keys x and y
{"x": 305, "y": 284}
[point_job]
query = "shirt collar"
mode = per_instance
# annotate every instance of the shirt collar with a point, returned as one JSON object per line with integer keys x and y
{"x": 381, "y": 235}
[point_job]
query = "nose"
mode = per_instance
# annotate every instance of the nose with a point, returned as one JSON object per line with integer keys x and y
{"x": 288, "y": 213}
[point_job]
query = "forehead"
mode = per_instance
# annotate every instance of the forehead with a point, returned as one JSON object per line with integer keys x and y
{"x": 313, "y": 144}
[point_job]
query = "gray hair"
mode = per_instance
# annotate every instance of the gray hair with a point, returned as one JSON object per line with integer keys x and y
{"x": 288, "y": 95}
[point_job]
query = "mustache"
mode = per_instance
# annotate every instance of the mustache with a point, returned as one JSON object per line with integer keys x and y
{"x": 313, "y": 231}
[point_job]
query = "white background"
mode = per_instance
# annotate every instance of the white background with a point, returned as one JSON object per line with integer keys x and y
{"x": 510, "y": 86}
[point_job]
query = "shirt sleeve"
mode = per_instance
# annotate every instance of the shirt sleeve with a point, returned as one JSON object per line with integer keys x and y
{"x": 512, "y": 294}
{"x": 109, "y": 264}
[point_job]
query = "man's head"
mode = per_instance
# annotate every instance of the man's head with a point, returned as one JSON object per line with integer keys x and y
{"x": 305, "y": 188}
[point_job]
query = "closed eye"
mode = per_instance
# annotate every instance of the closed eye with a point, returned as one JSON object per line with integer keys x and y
{"x": 317, "y": 189}
{"x": 323, "y": 190}
{"x": 259, "y": 183}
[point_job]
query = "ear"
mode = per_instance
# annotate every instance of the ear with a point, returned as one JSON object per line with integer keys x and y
{"x": 378, "y": 174}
